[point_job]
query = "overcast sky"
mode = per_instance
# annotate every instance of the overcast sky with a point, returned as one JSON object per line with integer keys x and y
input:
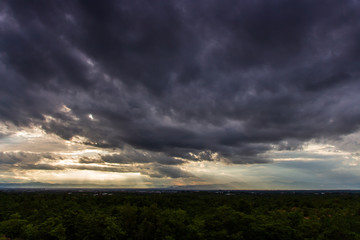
{"x": 247, "y": 94}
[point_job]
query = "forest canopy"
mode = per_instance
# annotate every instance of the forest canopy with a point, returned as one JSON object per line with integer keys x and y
{"x": 178, "y": 215}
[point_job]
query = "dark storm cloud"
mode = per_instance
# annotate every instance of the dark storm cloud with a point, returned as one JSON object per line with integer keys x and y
{"x": 235, "y": 78}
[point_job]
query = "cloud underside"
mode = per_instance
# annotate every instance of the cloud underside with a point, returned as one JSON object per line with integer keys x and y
{"x": 182, "y": 81}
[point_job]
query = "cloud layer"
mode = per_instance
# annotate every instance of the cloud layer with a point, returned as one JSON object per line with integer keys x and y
{"x": 182, "y": 80}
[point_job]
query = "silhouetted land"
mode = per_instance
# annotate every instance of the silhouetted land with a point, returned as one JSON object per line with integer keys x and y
{"x": 166, "y": 214}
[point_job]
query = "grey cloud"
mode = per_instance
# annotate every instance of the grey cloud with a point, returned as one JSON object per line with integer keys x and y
{"x": 90, "y": 160}
{"x": 119, "y": 169}
{"x": 40, "y": 167}
{"x": 136, "y": 156}
{"x": 177, "y": 77}
{"x": 315, "y": 167}
{"x": 172, "y": 172}
{"x": 27, "y": 161}
{"x": 150, "y": 169}
{"x": 30, "y": 161}
{"x": 21, "y": 157}
{"x": 324, "y": 173}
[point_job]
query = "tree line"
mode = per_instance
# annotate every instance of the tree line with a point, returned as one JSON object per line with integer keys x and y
{"x": 183, "y": 215}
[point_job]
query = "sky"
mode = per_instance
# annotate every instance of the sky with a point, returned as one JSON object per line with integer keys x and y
{"x": 140, "y": 94}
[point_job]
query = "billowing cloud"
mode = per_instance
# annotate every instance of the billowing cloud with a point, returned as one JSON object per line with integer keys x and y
{"x": 182, "y": 80}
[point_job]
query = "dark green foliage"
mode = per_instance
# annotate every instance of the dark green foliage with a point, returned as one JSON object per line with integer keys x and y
{"x": 184, "y": 215}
